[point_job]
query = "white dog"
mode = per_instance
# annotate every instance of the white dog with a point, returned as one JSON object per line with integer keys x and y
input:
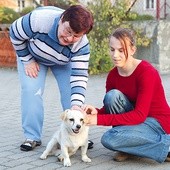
{"x": 73, "y": 133}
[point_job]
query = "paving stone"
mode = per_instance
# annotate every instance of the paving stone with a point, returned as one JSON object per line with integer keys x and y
{"x": 11, "y": 135}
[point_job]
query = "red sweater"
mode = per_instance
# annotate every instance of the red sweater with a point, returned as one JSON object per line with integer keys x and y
{"x": 143, "y": 88}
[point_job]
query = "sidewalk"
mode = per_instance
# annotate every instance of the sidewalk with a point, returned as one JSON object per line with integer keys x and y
{"x": 11, "y": 136}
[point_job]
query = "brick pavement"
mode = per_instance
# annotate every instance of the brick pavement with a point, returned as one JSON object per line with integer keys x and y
{"x": 11, "y": 136}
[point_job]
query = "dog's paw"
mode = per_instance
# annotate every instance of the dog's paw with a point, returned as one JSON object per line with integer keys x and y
{"x": 85, "y": 158}
{"x": 60, "y": 157}
{"x": 43, "y": 156}
{"x": 67, "y": 162}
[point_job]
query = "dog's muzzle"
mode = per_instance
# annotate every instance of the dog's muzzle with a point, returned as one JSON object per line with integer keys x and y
{"x": 77, "y": 129}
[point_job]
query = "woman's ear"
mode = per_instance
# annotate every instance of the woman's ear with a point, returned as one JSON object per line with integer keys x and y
{"x": 134, "y": 48}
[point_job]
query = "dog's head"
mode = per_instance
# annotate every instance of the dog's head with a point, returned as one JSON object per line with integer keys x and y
{"x": 74, "y": 120}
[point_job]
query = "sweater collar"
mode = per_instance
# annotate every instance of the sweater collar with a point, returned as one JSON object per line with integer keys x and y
{"x": 54, "y": 30}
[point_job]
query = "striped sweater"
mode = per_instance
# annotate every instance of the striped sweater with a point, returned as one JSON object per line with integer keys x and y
{"x": 34, "y": 37}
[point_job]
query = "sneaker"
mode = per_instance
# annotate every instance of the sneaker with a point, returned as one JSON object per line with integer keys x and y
{"x": 29, "y": 145}
{"x": 90, "y": 144}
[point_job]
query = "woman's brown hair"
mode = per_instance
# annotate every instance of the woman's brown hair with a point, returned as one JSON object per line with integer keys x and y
{"x": 79, "y": 18}
{"x": 124, "y": 35}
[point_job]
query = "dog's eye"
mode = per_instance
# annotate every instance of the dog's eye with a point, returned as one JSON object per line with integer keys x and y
{"x": 81, "y": 120}
{"x": 71, "y": 120}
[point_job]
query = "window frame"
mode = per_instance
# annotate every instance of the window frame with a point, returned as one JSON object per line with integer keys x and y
{"x": 151, "y": 4}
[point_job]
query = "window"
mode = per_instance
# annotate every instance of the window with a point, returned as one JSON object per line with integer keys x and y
{"x": 23, "y": 4}
{"x": 18, "y": 3}
{"x": 150, "y": 4}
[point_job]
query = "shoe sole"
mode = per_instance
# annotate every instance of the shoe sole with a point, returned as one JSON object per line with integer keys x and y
{"x": 38, "y": 143}
{"x": 90, "y": 144}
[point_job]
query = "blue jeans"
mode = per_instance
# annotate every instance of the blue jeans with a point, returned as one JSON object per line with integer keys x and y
{"x": 147, "y": 139}
{"x": 32, "y": 90}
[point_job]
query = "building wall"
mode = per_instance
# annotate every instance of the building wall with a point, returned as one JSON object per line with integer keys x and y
{"x": 26, "y": 3}
{"x": 140, "y": 7}
{"x": 158, "y": 52}
{"x": 164, "y": 45}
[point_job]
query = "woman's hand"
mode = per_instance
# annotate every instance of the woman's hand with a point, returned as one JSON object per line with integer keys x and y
{"x": 90, "y": 113}
{"x": 89, "y": 109}
{"x": 32, "y": 69}
{"x": 91, "y": 119}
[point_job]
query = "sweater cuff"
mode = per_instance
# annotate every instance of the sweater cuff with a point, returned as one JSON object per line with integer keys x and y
{"x": 99, "y": 119}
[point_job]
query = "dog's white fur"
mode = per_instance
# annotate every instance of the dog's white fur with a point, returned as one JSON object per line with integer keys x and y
{"x": 73, "y": 133}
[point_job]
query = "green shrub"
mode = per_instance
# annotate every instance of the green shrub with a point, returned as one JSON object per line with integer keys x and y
{"x": 59, "y": 3}
{"x": 9, "y": 15}
{"x": 137, "y": 17}
{"x": 100, "y": 61}
{"x": 26, "y": 10}
{"x": 144, "y": 17}
{"x": 106, "y": 18}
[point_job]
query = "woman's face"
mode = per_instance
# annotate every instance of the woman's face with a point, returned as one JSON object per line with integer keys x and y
{"x": 66, "y": 35}
{"x": 117, "y": 52}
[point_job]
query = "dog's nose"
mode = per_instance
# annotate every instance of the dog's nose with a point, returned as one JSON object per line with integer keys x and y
{"x": 78, "y": 126}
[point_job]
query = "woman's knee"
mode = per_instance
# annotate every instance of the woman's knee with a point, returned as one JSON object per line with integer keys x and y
{"x": 108, "y": 139}
{"x": 111, "y": 97}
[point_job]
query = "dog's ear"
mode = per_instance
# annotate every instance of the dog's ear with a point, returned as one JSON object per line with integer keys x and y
{"x": 64, "y": 114}
{"x": 85, "y": 120}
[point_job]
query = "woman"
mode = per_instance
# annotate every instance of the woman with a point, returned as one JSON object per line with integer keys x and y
{"x": 50, "y": 38}
{"x": 134, "y": 105}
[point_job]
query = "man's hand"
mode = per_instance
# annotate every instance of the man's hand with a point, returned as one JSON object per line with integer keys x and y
{"x": 32, "y": 69}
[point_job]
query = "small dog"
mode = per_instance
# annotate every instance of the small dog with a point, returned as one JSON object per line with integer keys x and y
{"x": 73, "y": 133}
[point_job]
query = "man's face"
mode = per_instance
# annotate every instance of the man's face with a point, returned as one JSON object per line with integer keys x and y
{"x": 66, "y": 35}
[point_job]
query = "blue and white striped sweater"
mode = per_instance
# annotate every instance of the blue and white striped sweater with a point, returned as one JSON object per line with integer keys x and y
{"x": 34, "y": 37}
